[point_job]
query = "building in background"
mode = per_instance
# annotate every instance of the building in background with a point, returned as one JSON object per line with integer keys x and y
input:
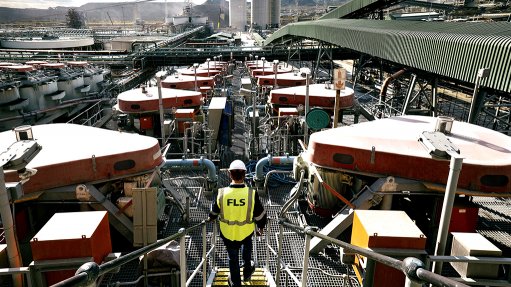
{"x": 265, "y": 14}
{"x": 238, "y": 14}
{"x": 260, "y": 12}
{"x": 275, "y": 13}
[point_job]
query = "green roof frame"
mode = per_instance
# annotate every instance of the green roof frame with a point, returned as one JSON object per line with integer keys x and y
{"x": 358, "y": 8}
{"x": 450, "y": 49}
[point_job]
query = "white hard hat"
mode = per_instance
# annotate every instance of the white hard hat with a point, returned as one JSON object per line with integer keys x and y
{"x": 237, "y": 164}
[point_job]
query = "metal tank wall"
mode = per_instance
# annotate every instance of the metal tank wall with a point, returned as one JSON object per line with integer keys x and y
{"x": 30, "y": 93}
{"x": 260, "y": 12}
{"x": 275, "y": 13}
{"x": 46, "y": 88}
{"x": 238, "y": 14}
{"x": 36, "y": 95}
{"x": 93, "y": 81}
{"x": 70, "y": 87}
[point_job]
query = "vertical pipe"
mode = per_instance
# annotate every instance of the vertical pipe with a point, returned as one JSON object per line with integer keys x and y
{"x": 445, "y": 218}
{"x": 182, "y": 257}
{"x": 276, "y": 69}
{"x": 306, "y": 256}
{"x": 336, "y": 107}
{"x": 411, "y": 87}
{"x": 195, "y": 73}
{"x": 279, "y": 255}
{"x": 254, "y": 123}
{"x": 434, "y": 95}
{"x": 144, "y": 233}
{"x": 471, "y": 116}
{"x": 204, "y": 259}
{"x": 160, "y": 108}
{"x": 10, "y": 236}
{"x": 306, "y": 127}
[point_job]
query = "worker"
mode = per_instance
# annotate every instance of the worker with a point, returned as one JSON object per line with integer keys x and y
{"x": 239, "y": 211}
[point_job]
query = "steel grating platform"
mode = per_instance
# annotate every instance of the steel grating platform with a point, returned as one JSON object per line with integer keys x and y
{"x": 324, "y": 269}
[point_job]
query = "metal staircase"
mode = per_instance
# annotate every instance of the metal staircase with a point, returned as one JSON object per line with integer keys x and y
{"x": 260, "y": 278}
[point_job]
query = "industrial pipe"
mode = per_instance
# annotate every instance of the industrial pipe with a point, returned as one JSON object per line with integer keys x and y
{"x": 192, "y": 164}
{"x": 13, "y": 252}
{"x": 386, "y": 83}
{"x": 251, "y": 108}
{"x": 277, "y": 160}
{"x": 445, "y": 218}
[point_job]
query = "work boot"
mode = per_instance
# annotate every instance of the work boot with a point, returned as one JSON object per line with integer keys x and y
{"x": 248, "y": 271}
{"x": 229, "y": 282}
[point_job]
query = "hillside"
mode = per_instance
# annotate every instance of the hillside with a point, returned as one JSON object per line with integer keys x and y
{"x": 216, "y": 10}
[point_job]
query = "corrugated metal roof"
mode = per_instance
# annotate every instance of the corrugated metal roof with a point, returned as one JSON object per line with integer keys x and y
{"x": 455, "y": 50}
{"x": 357, "y": 8}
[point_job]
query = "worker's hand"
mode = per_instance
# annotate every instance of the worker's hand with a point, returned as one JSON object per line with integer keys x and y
{"x": 259, "y": 231}
{"x": 208, "y": 219}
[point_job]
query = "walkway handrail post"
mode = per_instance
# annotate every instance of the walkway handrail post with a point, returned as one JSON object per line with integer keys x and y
{"x": 204, "y": 251}
{"x": 182, "y": 257}
{"x": 306, "y": 256}
{"x": 410, "y": 266}
{"x": 215, "y": 231}
{"x": 413, "y": 268}
{"x": 267, "y": 236}
{"x": 279, "y": 253}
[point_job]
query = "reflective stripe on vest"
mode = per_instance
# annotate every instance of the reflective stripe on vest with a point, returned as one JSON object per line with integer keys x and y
{"x": 236, "y": 209}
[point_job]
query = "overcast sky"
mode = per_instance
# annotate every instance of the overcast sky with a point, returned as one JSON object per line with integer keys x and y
{"x": 44, "y": 4}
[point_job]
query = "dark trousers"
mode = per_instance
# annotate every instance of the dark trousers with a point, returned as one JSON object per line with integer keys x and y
{"x": 233, "y": 251}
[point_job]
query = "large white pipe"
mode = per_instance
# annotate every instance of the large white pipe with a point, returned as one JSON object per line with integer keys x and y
{"x": 10, "y": 236}
{"x": 445, "y": 218}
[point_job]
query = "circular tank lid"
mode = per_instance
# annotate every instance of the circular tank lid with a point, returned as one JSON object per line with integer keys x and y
{"x": 77, "y": 63}
{"x": 317, "y": 119}
{"x": 36, "y": 62}
{"x": 53, "y": 65}
{"x": 20, "y": 68}
{"x": 5, "y": 64}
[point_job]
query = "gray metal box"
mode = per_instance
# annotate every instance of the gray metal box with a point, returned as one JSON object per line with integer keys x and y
{"x": 474, "y": 244}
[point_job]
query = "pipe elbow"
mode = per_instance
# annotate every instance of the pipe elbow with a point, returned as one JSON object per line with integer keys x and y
{"x": 211, "y": 169}
{"x": 259, "y": 176}
{"x": 278, "y": 160}
{"x": 191, "y": 164}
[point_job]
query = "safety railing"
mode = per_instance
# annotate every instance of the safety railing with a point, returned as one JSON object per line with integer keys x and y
{"x": 89, "y": 272}
{"x": 413, "y": 268}
{"x": 91, "y": 115}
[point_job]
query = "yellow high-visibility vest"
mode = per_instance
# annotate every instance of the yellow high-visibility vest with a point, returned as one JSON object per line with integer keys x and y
{"x": 236, "y": 209}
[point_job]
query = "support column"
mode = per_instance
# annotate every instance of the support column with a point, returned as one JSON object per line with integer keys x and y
{"x": 434, "y": 96}
{"x": 409, "y": 94}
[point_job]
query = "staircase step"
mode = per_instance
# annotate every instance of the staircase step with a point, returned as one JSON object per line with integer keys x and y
{"x": 227, "y": 269}
{"x": 258, "y": 279}
{"x": 226, "y": 273}
{"x": 253, "y": 278}
{"x": 250, "y": 283}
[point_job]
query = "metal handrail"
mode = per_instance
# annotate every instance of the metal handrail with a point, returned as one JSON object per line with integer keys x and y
{"x": 413, "y": 268}
{"x": 89, "y": 272}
